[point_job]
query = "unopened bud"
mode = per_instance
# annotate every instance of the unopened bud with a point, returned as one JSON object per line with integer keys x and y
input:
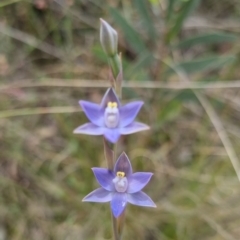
{"x": 108, "y": 38}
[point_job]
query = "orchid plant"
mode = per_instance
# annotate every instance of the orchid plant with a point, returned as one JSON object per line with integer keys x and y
{"x": 118, "y": 184}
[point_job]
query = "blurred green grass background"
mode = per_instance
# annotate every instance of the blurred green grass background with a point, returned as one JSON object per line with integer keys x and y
{"x": 181, "y": 56}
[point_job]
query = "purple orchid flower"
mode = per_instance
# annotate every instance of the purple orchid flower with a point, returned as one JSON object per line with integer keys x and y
{"x": 121, "y": 186}
{"x": 110, "y": 118}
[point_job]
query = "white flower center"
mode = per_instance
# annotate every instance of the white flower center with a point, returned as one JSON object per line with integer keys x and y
{"x": 111, "y": 115}
{"x": 120, "y": 182}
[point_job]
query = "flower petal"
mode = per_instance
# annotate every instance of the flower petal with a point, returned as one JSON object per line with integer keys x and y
{"x": 118, "y": 203}
{"x": 123, "y": 165}
{"x": 133, "y": 127}
{"x": 104, "y": 178}
{"x": 98, "y": 195}
{"x": 129, "y": 112}
{"x": 140, "y": 199}
{"x": 112, "y": 134}
{"x": 90, "y": 129}
{"x": 110, "y": 96}
{"x": 138, "y": 181}
{"x": 94, "y": 112}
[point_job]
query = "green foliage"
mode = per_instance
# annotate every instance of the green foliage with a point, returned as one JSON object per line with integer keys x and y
{"x": 170, "y": 112}
{"x": 148, "y": 24}
{"x": 131, "y": 35}
{"x": 209, "y": 38}
{"x": 203, "y": 64}
{"x": 185, "y": 9}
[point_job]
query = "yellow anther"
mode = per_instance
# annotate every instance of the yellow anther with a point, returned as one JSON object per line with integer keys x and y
{"x": 112, "y": 104}
{"x": 109, "y": 104}
{"x": 121, "y": 174}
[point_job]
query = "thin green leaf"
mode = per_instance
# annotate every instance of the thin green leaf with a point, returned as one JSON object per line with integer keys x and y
{"x": 144, "y": 60}
{"x": 170, "y": 9}
{"x": 203, "y": 64}
{"x": 142, "y": 8}
{"x": 170, "y": 112}
{"x": 8, "y": 2}
{"x": 132, "y": 36}
{"x": 187, "y": 8}
{"x": 209, "y": 38}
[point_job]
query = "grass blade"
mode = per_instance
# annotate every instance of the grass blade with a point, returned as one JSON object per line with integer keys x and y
{"x": 210, "y": 38}
{"x": 132, "y": 36}
{"x": 204, "y": 64}
{"x": 142, "y": 8}
{"x": 187, "y": 8}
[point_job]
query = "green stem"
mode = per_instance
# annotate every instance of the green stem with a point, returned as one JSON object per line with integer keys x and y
{"x": 120, "y": 224}
{"x": 115, "y": 220}
{"x": 115, "y": 65}
{"x": 115, "y": 228}
{"x": 110, "y": 156}
{"x": 116, "y": 68}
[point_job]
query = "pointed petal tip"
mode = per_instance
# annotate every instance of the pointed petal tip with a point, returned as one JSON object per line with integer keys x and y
{"x": 111, "y": 90}
{"x": 134, "y": 128}
{"x": 110, "y": 95}
{"x": 145, "y": 126}
{"x": 75, "y": 131}
{"x": 124, "y": 155}
{"x": 80, "y": 102}
{"x": 153, "y": 205}
{"x": 140, "y": 102}
{"x": 123, "y": 164}
{"x": 103, "y": 21}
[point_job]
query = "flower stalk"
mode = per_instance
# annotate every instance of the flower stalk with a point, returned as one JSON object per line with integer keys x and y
{"x": 118, "y": 184}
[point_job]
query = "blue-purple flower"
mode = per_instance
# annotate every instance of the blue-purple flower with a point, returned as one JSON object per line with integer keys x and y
{"x": 110, "y": 118}
{"x": 121, "y": 186}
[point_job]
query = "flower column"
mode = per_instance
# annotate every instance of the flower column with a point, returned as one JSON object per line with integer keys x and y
{"x": 110, "y": 119}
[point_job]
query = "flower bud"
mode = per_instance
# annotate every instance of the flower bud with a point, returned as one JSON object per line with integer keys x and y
{"x": 108, "y": 38}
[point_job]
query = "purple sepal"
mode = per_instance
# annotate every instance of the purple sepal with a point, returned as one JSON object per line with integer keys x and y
{"x": 129, "y": 112}
{"x": 98, "y": 195}
{"x": 104, "y": 178}
{"x": 89, "y": 129}
{"x": 140, "y": 199}
{"x": 123, "y": 165}
{"x": 138, "y": 181}
{"x": 112, "y": 134}
{"x": 93, "y": 112}
{"x": 133, "y": 128}
{"x": 118, "y": 203}
{"x": 110, "y": 96}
